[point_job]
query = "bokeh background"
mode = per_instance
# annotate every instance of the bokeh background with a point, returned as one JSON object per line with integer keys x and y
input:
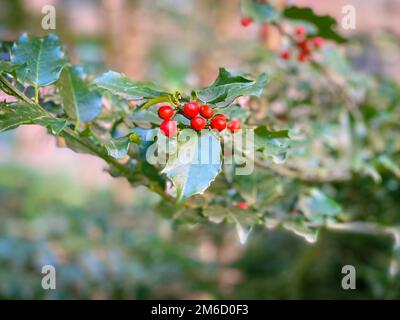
{"x": 106, "y": 239}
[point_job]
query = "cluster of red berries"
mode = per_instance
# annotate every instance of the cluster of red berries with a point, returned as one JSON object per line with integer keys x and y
{"x": 304, "y": 45}
{"x": 200, "y": 117}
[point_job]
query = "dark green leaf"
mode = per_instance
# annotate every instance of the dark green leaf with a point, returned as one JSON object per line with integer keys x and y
{"x": 144, "y": 116}
{"x": 118, "y": 148}
{"x": 7, "y": 66}
{"x": 237, "y": 112}
{"x": 324, "y": 24}
{"x": 39, "y": 60}
{"x": 318, "y": 207}
{"x": 228, "y": 86}
{"x": 119, "y": 84}
{"x": 273, "y": 144}
{"x": 78, "y": 101}
{"x": 195, "y": 164}
{"x": 16, "y": 114}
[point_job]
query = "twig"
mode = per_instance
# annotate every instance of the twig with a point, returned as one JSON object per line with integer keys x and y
{"x": 307, "y": 177}
{"x": 87, "y": 144}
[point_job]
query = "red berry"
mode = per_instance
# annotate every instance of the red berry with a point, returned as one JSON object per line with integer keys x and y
{"x": 220, "y": 115}
{"x": 303, "y": 56}
{"x": 218, "y": 122}
{"x": 198, "y": 123}
{"x": 242, "y": 205}
{"x": 246, "y": 21}
{"x": 304, "y": 47}
{"x": 318, "y": 42}
{"x": 234, "y": 125}
{"x": 285, "y": 55}
{"x": 165, "y": 112}
{"x": 206, "y": 111}
{"x": 300, "y": 31}
{"x": 191, "y": 110}
{"x": 169, "y": 128}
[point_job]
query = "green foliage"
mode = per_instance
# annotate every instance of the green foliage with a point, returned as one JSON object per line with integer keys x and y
{"x": 82, "y": 232}
{"x": 318, "y": 128}
{"x": 318, "y": 207}
{"x": 326, "y": 169}
{"x": 118, "y": 148}
{"x": 119, "y": 84}
{"x": 78, "y": 101}
{"x": 7, "y": 66}
{"x": 228, "y": 86}
{"x": 16, "y": 114}
{"x": 274, "y": 144}
{"x": 38, "y": 61}
{"x": 324, "y": 24}
{"x": 195, "y": 165}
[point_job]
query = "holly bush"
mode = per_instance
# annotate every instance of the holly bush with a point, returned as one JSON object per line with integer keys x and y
{"x": 321, "y": 135}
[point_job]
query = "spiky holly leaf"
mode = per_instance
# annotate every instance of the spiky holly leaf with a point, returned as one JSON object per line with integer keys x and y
{"x": 79, "y": 102}
{"x": 324, "y": 24}
{"x": 229, "y": 86}
{"x": 119, "y": 84}
{"x": 17, "y": 114}
{"x": 39, "y": 61}
{"x": 196, "y": 163}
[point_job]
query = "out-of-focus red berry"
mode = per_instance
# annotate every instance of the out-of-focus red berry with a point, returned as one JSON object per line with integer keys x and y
{"x": 246, "y": 21}
{"x": 303, "y": 56}
{"x": 304, "y": 46}
{"x": 285, "y": 55}
{"x": 318, "y": 42}
{"x": 234, "y": 125}
{"x": 242, "y": 205}
{"x": 300, "y": 31}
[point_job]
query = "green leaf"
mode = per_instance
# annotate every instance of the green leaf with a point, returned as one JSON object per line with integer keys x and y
{"x": 195, "y": 165}
{"x": 119, "y": 84}
{"x": 259, "y": 12}
{"x": 156, "y": 100}
{"x": 228, "y": 86}
{"x": 144, "y": 116}
{"x": 7, "y": 66}
{"x": 235, "y": 111}
{"x": 324, "y": 24}
{"x": 40, "y": 60}
{"x": 318, "y": 207}
{"x": 16, "y": 114}
{"x": 118, "y": 148}
{"x": 273, "y": 144}
{"x": 78, "y": 101}
{"x": 54, "y": 125}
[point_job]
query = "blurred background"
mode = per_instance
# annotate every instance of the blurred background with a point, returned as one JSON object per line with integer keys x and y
{"x": 106, "y": 239}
